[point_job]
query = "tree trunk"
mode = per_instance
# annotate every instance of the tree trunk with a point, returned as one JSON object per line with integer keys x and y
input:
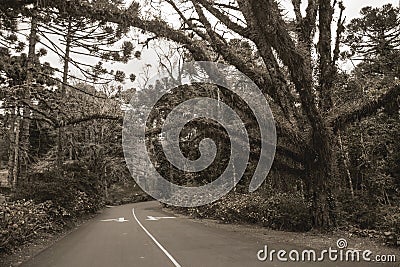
{"x": 346, "y": 162}
{"x": 12, "y": 146}
{"x": 326, "y": 65}
{"x": 15, "y": 169}
{"x": 321, "y": 172}
{"x": 105, "y": 183}
{"x": 321, "y": 197}
{"x": 61, "y": 130}
{"x": 25, "y": 123}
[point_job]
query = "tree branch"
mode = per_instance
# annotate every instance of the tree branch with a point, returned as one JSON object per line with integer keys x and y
{"x": 224, "y": 19}
{"x": 339, "y": 31}
{"x": 355, "y": 113}
{"x": 94, "y": 117}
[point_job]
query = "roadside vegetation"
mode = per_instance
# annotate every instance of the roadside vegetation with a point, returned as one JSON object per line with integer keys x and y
{"x": 337, "y": 163}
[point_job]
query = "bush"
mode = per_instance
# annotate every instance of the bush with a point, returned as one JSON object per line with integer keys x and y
{"x": 359, "y": 211}
{"x": 126, "y": 193}
{"x": 391, "y": 216}
{"x": 289, "y": 212}
{"x": 389, "y": 221}
{"x": 55, "y": 202}
{"x": 77, "y": 191}
{"x": 277, "y": 211}
{"x": 23, "y": 220}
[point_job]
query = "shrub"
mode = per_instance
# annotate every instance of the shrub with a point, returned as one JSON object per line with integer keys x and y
{"x": 288, "y": 212}
{"x": 277, "y": 211}
{"x": 125, "y": 193}
{"x": 392, "y": 217}
{"x": 389, "y": 221}
{"x": 77, "y": 191}
{"x": 23, "y": 220}
{"x": 56, "y": 200}
{"x": 359, "y": 211}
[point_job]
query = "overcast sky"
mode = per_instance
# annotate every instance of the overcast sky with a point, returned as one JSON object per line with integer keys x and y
{"x": 353, "y": 6}
{"x": 149, "y": 57}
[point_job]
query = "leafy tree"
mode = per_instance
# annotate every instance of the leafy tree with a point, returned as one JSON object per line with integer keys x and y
{"x": 371, "y": 143}
{"x": 374, "y": 38}
{"x": 285, "y": 74}
{"x": 83, "y": 36}
{"x": 18, "y": 80}
{"x": 78, "y": 32}
{"x": 299, "y": 88}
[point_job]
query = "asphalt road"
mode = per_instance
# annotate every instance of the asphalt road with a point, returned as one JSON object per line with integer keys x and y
{"x": 127, "y": 236}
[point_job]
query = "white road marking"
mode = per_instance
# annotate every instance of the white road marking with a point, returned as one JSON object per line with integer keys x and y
{"x": 155, "y": 241}
{"x": 152, "y": 218}
{"x": 121, "y": 220}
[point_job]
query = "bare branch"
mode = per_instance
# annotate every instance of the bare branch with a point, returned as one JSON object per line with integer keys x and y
{"x": 224, "y": 18}
{"x": 297, "y": 11}
{"x": 94, "y": 117}
{"x": 339, "y": 31}
{"x": 189, "y": 22}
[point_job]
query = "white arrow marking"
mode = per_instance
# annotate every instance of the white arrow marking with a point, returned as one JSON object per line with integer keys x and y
{"x": 152, "y": 218}
{"x": 121, "y": 220}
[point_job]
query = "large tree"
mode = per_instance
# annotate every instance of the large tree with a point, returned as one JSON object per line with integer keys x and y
{"x": 296, "y": 74}
{"x": 79, "y": 34}
{"x": 374, "y": 39}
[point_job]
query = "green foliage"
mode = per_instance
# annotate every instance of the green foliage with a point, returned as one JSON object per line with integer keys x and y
{"x": 375, "y": 38}
{"x": 389, "y": 219}
{"x": 360, "y": 211}
{"x": 278, "y": 211}
{"x": 77, "y": 191}
{"x": 22, "y": 220}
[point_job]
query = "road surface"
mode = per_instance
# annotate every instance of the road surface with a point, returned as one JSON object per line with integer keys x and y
{"x": 144, "y": 235}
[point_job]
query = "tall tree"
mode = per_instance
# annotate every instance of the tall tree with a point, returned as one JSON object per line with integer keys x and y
{"x": 306, "y": 117}
{"x": 374, "y": 38}
{"x": 85, "y": 37}
{"x": 23, "y": 162}
{"x": 374, "y": 45}
{"x": 80, "y": 35}
{"x": 20, "y": 76}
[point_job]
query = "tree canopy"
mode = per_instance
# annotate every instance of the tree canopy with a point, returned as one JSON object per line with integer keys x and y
{"x": 294, "y": 61}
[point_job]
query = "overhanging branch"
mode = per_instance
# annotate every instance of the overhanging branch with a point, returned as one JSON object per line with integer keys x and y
{"x": 94, "y": 117}
{"x": 353, "y": 114}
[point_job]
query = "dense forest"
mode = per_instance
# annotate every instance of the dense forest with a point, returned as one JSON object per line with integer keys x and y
{"x": 332, "y": 85}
